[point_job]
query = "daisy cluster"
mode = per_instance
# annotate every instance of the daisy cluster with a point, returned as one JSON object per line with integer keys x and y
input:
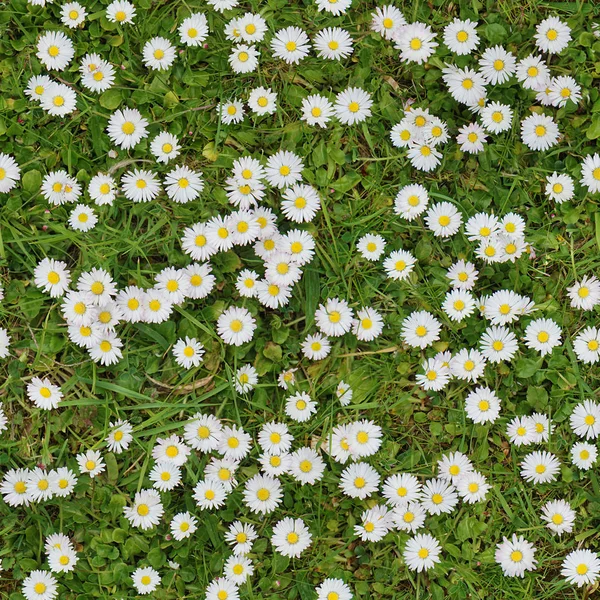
{"x": 272, "y": 206}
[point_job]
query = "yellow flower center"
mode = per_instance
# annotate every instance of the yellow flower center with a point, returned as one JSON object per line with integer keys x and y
{"x": 498, "y": 64}
{"x": 353, "y": 107}
{"x": 454, "y": 470}
{"x": 306, "y": 466}
{"x": 415, "y": 44}
{"x": 120, "y": 15}
{"x": 516, "y": 556}
{"x": 582, "y": 569}
{"x": 263, "y": 494}
{"x": 497, "y": 116}
{"x": 39, "y": 588}
{"x": 53, "y": 51}
{"x": 172, "y": 451}
{"x": 444, "y": 220}
{"x": 203, "y": 432}
{"x": 484, "y": 405}
{"x": 292, "y": 538}
{"x": 262, "y": 101}
{"x": 498, "y": 345}
{"x": 462, "y": 36}
{"x": 552, "y": 34}
{"x": 128, "y": 128}
{"x": 90, "y": 465}
{"x": 290, "y": 46}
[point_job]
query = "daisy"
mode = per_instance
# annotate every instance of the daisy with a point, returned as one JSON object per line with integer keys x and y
{"x": 165, "y": 146}
{"x": 438, "y": 496}
{"x": 516, "y": 556}
{"x": 505, "y": 306}
{"x": 193, "y": 30}
{"x": 14, "y": 487}
{"x": 540, "y": 467}
{"x": 97, "y": 75}
{"x": 539, "y": 132}
{"x": 421, "y": 552}
{"x": 62, "y": 560}
{"x": 465, "y": 85}
{"x": 353, "y": 105}
{"x": 317, "y": 110}
{"x": 165, "y": 476}
{"x": 291, "y": 537}
{"x": 424, "y": 156}
{"x": 338, "y": 446}
{"x": 291, "y": 45}
{"x": 262, "y": 494}
{"x": 274, "y": 438}
{"x": 401, "y": 488}
{"x": 521, "y": 431}
{"x": 587, "y": 345}
{"x": 83, "y": 218}
{"x": 471, "y": 138}
{"x": 91, "y": 462}
{"x": 38, "y": 485}
{"x": 120, "y": 11}
{"x": 196, "y": 243}
{"x": 371, "y": 246}
{"x": 343, "y": 393}
{"x": 368, "y": 324}
{"x": 496, "y": 117}
{"x": 563, "y": 89}
{"x": 590, "y": 173}
{"x": 52, "y": 276}
{"x": 246, "y": 378}
{"x": 585, "y": 420}
{"x": 453, "y": 466}
{"x": 420, "y": 329}
{"x": 171, "y": 449}
{"x": 62, "y": 482}
{"x": 262, "y": 101}
{"x": 300, "y": 203}
{"x": 300, "y": 245}
{"x": 481, "y": 227}
{"x": 43, "y": 393}
{"x": 55, "y": 50}
{"x": 482, "y": 405}
{"x": 126, "y": 128}
{"x": 40, "y": 585}
{"x": 333, "y": 43}
{"x": 222, "y": 589}
{"x": 188, "y": 352}
{"x": 435, "y": 377}
{"x": 335, "y": 7}
{"x": 306, "y": 466}
{"x": 223, "y": 470}
{"x": 415, "y": 42}
{"x": 252, "y": 28}
{"x": 222, "y": 5}
{"x": 411, "y": 201}
{"x": 203, "y": 433}
{"x": 36, "y": 86}
{"x": 209, "y": 494}
{"x": 316, "y": 347}
{"x": 404, "y": 134}
{"x": 240, "y": 536}
{"x": 234, "y": 443}
{"x": 386, "y": 19}
{"x": 231, "y": 111}
{"x": 58, "y": 100}
{"x": 244, "y": 59}
{"x": 552, "y": 35}
{"x": 281, "y": 270}
{"x": 131, "y": 301}
{"x": 145, "y": 580}
{"x": 461, "y": 36}
{"x": 559, "y": 516}
{"x": 399, "y": 265}
{"x": 585, "y": 294}
{"x": 532, "y": 72}
{"x": 497, "y": 65}
{"x": 473, "y": 487}
{"x": 183, "y": 185}
{"x": 359, "y": 480}
{"x": 140, "y": 185}
{"x": 120, "y": 437}
{"x": 375, "y": 524}
{"x": 238, "y": 569}
{"x": 102, "y": 189}
{"x": 468, "y": 364}
{"x": 97, "y": 285}
{"x": 236, "y": 326}
{"x": 158, "y": 54}
{"x": 581, "y": 567}
{"x": 284, "y": 169}
{"x": 458, "y": 304}
{"x": 559, "y": 188}
{"x": 584, "y": 455}
{"x": 334, "y": 589}
{"x": 443, "y": 219}
{"x": 364, "y": 438}
{"x": 498, "y": 344}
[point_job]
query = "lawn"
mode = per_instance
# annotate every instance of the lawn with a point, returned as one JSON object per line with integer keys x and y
{"x": 357, "y": 172}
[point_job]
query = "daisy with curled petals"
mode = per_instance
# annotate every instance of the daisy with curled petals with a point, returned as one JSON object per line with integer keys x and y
{"x": 559, "y": 516}
{"x": 158, "y": 54}
{"x": 120, "y": 11}
{"x": 241, "y": 536}
{"x": 539, "y": 132}
{"x": 291, "y": 537}
{"x": 193, "y": 30}
{"x": 409, "y": 516}
{"x": 262, "y": 101}
{"x": 471, "y": 138}
{"x": 552, "y": 35}
{"x": 188, "y": 352}
{"x": 52, "y": 276}
{"x": 585, "y": 294}
{"x": 590, "y": 173}
{"x": 496, "y": 117}
{"x": 438, "y": 496}
{"x": 291, "y": 45}
{"x": 532, "y": 72}
{"x": 353, "y": 105}
{"x": 316, "y": 110}
{"x": 559, "y": 187}
{"x": 55, "y": 50}
{"x": 316, "y": 347}
{"x": 421, "y": 552}
{"x": 540, "y": 467}
{"x": 482, "y": 405}
{"x": 231, "y": 111}
{"x": 333, "y": 589}
{"x": 262, "y": 494}
{"x": 436, "y": 376}
{"x": 399, "y": 265}
{"x": 333, "y": 43}
{"x": 443, "y": 219}
{"x": 461, "y": 37}
{"x": 236, "y": 326}
{"x": 581, "y": 567}
{"x": 244, "y": 59}
{"x": 126, "y": 128}
{"x": 473, "y": 487}
{"x": 497, "y": 65}
{"x": 584, "y": 455}
{"x": 586, "y": 345}
{"x": 420, "y": 329}
{"x": 386, "y": 19}
{"x": 516, "y": 556}
{"x": 415, "y": 42}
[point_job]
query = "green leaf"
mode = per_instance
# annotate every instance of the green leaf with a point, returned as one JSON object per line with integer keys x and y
{"x": 495, "y": 33}
{"x": 110, "y": 99}
{"x": 32, "y": 181}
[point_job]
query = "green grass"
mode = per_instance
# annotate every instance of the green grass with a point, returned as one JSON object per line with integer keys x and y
{"x": 358, "y": 173}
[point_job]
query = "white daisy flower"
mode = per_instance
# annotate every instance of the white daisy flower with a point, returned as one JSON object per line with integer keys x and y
{"x": 516, "y": 556}
{"x": 262, "y": 101}
{"x": 145, "y": 580}
{"x": 461, "y": 36}
{"x": 359, "y": 480}
{"x": 231, "y": 111}
{"x": 539, "y": 132}
{"x": 55, "y": 50}
{"x": 188, "y": 352}
{"x": 496, "y": 117}
{"x": 497, "y": 65}
{"x": 415, "y": 42}
{"x": 183, "y": 525}
{"x": 291, "y": 45}
{"x": 590, "y": 173}
{"x": 584, "y": 455}
{"x": 333, "y": 43}
{"x": 371, "y": 246}
{"x": 193, "y": 30}
{"x": 386, "y": 19}
{"x": 559, "y": 516}
{"x": 317, "y": 110}
{"x": 91, "y": 462}
{"x": 291, "y": 537}
{"x": 411, "y": 200}
{"x": 126, "y": 128}
{"x": 422, "y": 552}
{"x": 443, "y": 219}
{"x": 241, "y": 536}
{"x": 120, "y": 11}
{"x": 236, "y": 326}
{"x": 262, "y": 494}
{"x": 482, "y": 405}
{"x": 473, "y": 487}
{"x": 552, "y": 35}
{"x": 581, "y": 567}
{"x": 559, "y": 188}
{"x": 540, "y": 467}
{"x": 203, "y": 433}
{"x": 586, "y": 345}
{"x": 420, "y": 329}
{"x": 353, "y": 105}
